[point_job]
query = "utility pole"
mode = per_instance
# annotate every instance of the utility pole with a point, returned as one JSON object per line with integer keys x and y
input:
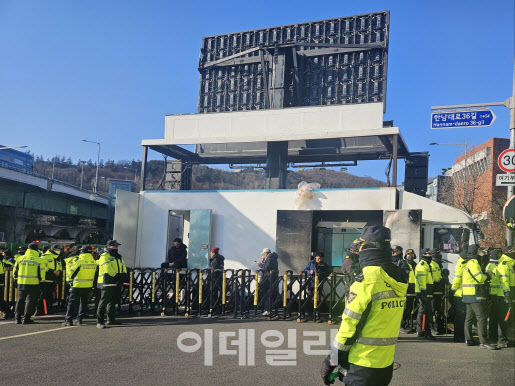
{"x": 53, "y": 168}
{"x": 98, "y": 163}
{"x": 466, "y": 175}
{"x": 81, "y": 163}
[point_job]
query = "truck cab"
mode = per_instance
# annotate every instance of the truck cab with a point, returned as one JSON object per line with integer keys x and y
{"x": 450, "y": 239}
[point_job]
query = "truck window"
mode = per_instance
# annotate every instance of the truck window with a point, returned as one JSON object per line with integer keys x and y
{"x": 451, "y": 240}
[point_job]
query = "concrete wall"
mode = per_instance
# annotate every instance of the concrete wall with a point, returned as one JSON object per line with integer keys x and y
{"x": 243, "y": 222}
{"x": 126, "y": 225}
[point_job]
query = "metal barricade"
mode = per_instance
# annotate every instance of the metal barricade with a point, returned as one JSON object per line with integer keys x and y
{"x": 321, "y": 297}
{"x": 337, "y": 297}
{"x": 291, "y": 294}
{"x": 205, "y": 292}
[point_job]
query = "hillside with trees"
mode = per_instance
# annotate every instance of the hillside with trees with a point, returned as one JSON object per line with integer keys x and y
{"x": 204, "y": 177}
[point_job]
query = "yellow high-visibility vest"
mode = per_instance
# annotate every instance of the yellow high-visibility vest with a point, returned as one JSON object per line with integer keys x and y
{"x": 379, "y": 300}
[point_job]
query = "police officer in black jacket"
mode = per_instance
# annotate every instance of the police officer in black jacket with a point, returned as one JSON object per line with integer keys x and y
{"x": 397, "y": 255}
{"x": 350, "y": 266}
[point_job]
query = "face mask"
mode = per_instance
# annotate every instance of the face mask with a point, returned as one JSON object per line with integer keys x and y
{"x": 112, "y": 251}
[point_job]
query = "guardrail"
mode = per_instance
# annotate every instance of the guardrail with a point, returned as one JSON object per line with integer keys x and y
{"x": 54, "y": 180}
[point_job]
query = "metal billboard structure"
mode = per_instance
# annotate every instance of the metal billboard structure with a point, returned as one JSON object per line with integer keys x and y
{"x": 311, "y": 92}
{"x": 327, "y": 62}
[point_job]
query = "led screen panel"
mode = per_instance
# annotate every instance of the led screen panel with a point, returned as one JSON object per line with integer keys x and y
{"x": 327, "y": 62}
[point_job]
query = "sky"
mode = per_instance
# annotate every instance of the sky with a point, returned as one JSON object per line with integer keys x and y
{"x": 109, "y": 71}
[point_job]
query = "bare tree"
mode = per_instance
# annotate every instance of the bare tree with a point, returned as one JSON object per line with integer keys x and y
{"x": 470, "y": 192}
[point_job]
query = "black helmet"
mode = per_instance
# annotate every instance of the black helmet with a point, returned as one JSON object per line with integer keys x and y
{"x": 397, "y": 248}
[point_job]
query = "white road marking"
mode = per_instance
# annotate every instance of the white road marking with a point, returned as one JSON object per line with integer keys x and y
{"x": 35, "y": 333}
{"x": 39, "y": 317}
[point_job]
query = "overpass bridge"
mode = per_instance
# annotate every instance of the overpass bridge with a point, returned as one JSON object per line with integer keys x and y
{"x": 34, "y": 206}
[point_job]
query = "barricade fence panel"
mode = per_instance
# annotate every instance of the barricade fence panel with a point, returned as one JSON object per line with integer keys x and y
{"x": 207, "y": 293}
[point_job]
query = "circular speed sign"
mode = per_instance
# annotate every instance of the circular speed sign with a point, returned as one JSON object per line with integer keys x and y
{"x": 506, "y": 160}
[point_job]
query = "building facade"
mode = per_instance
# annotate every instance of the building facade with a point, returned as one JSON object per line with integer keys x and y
{"x": 472, "y": 188}
{"x": 436, "y": 188}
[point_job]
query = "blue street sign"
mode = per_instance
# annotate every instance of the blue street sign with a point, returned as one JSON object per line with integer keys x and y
{"x": 466, "y": 118}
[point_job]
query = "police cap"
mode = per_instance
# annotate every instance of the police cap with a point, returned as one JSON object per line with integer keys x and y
{"x": 86, "y": 249}
{"x": 376, "y": 233}
{"x": 473, "y": 249}
{"x": 355, "y": 245}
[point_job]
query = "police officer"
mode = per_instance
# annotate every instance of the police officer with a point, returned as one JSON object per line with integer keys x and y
{"x": 350, "y": 266}
{"x": 474, "y": 297}
{"x": 82, "y": 273}
{"x": 438, "y": 292}
{"x": 4, "y": 265}
{"x": 364, "y": 347}
{"x": 49, "y": 279}
{"x": 495, "y": 303}
{"x": 424, "y": 294}
{"x": 397, "y": 255}
{"x": 408, "y": 265}
{"x": 21, "y": 252}
{"x": 70, "y": 256}
{"x": 506, "y": 274}
{"x": 456, "y": 297}
{"x": 27, "y": 273}
{"x": 111, "y": 272}
{"x": 410, "y": 258}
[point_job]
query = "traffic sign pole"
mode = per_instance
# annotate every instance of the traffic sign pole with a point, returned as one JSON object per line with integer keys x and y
{"x": 509, "y": 103}
{"x": 506, "y": 161}
{"x": 511, "y": 189}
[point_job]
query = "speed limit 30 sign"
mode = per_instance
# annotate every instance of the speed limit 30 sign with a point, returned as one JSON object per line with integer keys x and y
{"x": 506, "y": 160}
